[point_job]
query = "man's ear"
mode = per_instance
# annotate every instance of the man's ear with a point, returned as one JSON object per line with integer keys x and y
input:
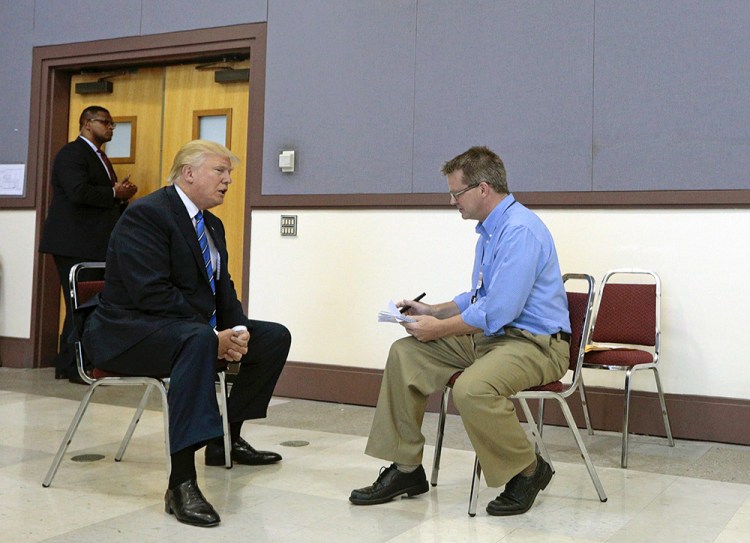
{"x": 187, "y": 173}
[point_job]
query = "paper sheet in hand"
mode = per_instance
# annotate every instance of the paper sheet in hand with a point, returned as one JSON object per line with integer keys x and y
{"x": 392, "y": 314}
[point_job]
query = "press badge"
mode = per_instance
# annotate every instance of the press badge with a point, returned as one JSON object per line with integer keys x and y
{"x": 479, "y": 285}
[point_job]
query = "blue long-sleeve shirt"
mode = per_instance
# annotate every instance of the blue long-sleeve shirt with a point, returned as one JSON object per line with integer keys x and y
{"x": 516, "y": 277}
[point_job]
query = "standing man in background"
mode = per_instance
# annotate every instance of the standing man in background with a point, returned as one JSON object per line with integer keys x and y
{"x": 86, "y": 203}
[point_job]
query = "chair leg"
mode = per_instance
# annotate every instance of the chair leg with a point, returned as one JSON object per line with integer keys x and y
{"x": 133, "y": 423}
{"x": 626, "y": 414}
{"x": 165, "y": 415}
{"x": 474, "y": 496}
{"x": 541, "y": 447}
{"x": 664, "y": 414}
{"x": 582, "y": 448}
{"x": 68, "y": 436}
{"x": 439, "y": 438}
{"x": 540, "y": 423}
{"x": 225, "y": 420}
{"x": 585, "y": 405}
{"x": 540, "y": 418}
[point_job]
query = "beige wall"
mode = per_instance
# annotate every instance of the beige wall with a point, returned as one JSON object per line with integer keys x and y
{"x": 329, "y": 282}
{"x": 16, "y": 270}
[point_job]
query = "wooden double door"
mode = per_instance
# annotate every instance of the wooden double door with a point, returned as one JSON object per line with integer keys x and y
{"x": 158, "y": 109}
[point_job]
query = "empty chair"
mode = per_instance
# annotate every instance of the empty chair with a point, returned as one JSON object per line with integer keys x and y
{"x": 626, "y": 335}
{"x": 86, "y": 280}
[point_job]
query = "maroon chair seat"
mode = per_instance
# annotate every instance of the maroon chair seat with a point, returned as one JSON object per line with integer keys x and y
{"x": 558, "y": 387}
{"x": 617, "y": 357}
{"x": 97, "y": 373}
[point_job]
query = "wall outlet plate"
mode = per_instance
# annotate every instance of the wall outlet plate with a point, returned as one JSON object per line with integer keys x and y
{"x": 289, "y": 225}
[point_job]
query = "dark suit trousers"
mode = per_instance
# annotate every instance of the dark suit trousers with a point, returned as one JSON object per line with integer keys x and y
{"x": 186, "y": 351}
{"x": 259, "y": 370}
{"x": 65, "y": 363}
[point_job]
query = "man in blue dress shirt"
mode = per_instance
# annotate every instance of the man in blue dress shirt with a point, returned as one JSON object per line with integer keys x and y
{"x": 509, "y": 332}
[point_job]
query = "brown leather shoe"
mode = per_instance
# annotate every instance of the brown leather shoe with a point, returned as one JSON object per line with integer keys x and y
{"x": 188, "y": 505}
{"x": 520, "y": 492}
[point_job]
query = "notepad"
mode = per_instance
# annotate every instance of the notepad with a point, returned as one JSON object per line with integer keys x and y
{"x": 392, "y": 314}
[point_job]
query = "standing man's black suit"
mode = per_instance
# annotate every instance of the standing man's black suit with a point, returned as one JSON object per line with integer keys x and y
{"x": 153, "y": 319}
{"x": 86, "y": 203}
{"x": 84, "y": 209}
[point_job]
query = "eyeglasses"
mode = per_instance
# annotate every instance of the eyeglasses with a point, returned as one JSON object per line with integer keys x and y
{"x": 456, "y": 194}
{"x": 105, "y": 122}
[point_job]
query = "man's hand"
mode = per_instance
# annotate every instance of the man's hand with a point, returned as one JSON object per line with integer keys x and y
{"x": 410, "y": 307}
{"x": 233, "y": 344}
{"x": 425, "y": 328}
{"x": 125, "y": 190}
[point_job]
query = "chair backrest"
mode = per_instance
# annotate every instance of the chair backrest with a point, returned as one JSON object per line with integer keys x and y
{"x": 580, "y": 307}
{"x": 86, "y": 280}
{"x": 628, "y": 313}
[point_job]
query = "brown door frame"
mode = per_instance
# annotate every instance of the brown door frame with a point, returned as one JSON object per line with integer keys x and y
{"x": 52, "y": 68}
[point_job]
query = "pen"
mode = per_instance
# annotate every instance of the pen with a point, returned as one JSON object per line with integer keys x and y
{"x": 414, "y": 300}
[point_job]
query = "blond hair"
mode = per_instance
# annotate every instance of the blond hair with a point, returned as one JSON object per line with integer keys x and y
{"x": 193, "y": 153}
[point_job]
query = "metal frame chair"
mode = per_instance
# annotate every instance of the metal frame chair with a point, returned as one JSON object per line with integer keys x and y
{"x": 81, "y": 290}
{"x": 626, "y": 336}
{"x": 580, "y": 305}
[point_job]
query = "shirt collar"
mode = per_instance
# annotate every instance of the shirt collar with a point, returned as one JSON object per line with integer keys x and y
{"x": 490, "y": 224}
{"x": 90, "y": 143}
{"x": 192, "y": 209}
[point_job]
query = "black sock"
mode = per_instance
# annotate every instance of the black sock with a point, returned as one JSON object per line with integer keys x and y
{"x": 234, "y": 430}
{"x": 183, "y": 467}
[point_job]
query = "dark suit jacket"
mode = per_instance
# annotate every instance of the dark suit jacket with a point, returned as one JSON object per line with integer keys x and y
{"x": 155, "y": 276}
{"x": 84, "y": 210}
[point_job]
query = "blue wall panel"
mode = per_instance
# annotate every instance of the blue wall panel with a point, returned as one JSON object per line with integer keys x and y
{"x": 515, "y": 76}
{"x": 16, "y": 30}
{"x": 575, "y": 95}
{"x": 85, "y": 20}
{"x": 161, "y": 16}
{"x": 339, "y": 89}
{"x": 671, "y": 95}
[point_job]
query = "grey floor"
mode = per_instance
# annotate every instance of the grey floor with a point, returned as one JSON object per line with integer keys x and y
{"x": 660, "y": 481}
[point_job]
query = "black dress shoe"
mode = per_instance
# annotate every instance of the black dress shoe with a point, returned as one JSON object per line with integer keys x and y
{"x": 76, "y": 379}
{"x": 520, "y": 492}
{"x": 390, "y": 484}
{"x": 61, "y": 373}
{"x": 242, "y": 453}
{"x": 188, "y": 505}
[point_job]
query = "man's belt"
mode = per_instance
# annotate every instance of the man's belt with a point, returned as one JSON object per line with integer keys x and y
{"x": 561, "y": 335}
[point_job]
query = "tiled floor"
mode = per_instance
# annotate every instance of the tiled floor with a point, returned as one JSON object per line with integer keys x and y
{"x": 693, "y": 493}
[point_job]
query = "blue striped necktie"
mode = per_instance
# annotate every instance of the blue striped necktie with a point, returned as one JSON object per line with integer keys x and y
{"x": 200, "y": 228}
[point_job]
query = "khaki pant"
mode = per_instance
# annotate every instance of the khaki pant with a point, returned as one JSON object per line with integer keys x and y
{"x": 494, "y": 369}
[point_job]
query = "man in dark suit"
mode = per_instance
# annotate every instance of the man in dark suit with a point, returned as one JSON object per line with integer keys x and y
{"x": 169, "y": 307}
{"x": 87, "y": 201}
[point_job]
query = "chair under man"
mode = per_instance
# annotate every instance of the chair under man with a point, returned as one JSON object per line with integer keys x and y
{"x": 580, "y": 305}
{"x": 87, "y": 280}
